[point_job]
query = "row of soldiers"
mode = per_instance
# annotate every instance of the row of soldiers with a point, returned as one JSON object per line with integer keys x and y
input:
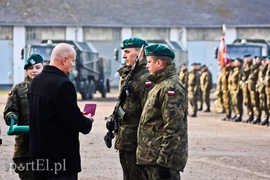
{"x": 245, "y": 82}
{"x": 198, "y": 83}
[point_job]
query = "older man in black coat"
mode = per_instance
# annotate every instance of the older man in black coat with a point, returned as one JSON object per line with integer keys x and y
{"x": 55, "y": 119}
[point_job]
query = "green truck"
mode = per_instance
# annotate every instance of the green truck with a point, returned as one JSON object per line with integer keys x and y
{"x": 91, "y": 72}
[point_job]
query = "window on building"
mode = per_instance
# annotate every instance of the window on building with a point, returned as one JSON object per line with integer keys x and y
{"x": 101, "y": 33}
{"x": 6, "y": 32}
{"x": 40, "y": 33}
{"x": 151, "y": 33}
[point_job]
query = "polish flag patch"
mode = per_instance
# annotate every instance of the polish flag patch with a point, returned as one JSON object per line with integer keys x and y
{"x": 171, "y": 93}
{"x": 148, "y": 83}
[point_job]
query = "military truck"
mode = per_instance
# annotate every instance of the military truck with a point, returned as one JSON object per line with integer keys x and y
{"x": 91, "y": 72}
{"x": 255, "y": 47}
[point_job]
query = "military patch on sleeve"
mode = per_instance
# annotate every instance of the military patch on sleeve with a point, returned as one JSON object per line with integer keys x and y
{"x": 10, "y": 93}
{"x": 148, "y": 83}
{"x": 171, "y": 93}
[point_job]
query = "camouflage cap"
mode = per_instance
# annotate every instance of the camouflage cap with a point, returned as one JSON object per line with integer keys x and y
{"x": 133, "y": 43}
{"x": 33, "y": 59}
{"x": 158, "y": 50}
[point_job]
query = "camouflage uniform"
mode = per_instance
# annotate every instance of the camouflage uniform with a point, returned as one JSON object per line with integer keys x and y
{"x": 193, "y": 85}
{"x": 17, "y": 103}
{"x": 254, "y": 96}
{"x": 267, "y": 91}
{"x": 206, "y": 85}
{"x": 236, "y": 93}
{"x": 218, "y": 104}
{"x": 225, "y": 91}
{"x": 162, "y": 129}
{"x": 261, "y": 90}
{"x": 126, "y": 137}
{"x": 246, "y": 93}
{"x": 183, "y": 76}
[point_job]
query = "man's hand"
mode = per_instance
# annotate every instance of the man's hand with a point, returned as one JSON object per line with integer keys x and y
{"x": 12, "y": 116}
{"x": 163, "y": 172}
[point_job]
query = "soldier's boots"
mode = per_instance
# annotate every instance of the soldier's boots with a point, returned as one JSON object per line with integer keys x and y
{"x": 249, "y": 120}
{"x": 193, "y": 115}
{"x": 265, "y": 122}
{"x": 232, "y": 118}
{"x": 238, "y": 118}
{"x": 207, "y": 110}
{"x": 199, "y": 109}
{"x": 226, "y": 118}
{"x": 256, "y": 120}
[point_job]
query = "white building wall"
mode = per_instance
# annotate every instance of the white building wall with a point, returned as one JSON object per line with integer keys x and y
{"x": 18, "y": 63}
{"x": 230, "y": 35}
{"x": 74, "y": 33}
{"x": 126, "y": 33}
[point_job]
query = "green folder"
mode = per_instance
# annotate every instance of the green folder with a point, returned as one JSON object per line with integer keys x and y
{"x": 17, "y": 129}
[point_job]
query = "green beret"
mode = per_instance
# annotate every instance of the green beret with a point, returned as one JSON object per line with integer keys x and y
{"x": 158, "y": 50}
{"x": 246, "y": 55}
{"x": 33, "y": 59}
{"x": 239, "y": 59}
{"x": 133, "y": 43}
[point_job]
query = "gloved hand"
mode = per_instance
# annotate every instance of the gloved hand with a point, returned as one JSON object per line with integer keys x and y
{"x": 110, "y": 125}
{"x": 163, "y": 172}
{"x": 14, "y": 116}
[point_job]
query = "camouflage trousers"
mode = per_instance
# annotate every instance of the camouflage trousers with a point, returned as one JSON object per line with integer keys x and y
{"x": 152, "y": 174}
{"x": 22, "y": 169}
{"x": 131, "y": 171}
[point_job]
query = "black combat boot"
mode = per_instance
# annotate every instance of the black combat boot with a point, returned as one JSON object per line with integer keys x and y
{"x": 232, "y": 118}
{"x": 265, "y": 122}
{"x": 207, "y": 110}
{"x": 249, "y": 120}
{"x": 256, "y": 120}
{"x": 237, "y": 119}
{"x": 193, "y": 115}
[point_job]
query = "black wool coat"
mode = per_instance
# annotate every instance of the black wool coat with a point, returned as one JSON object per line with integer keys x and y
{"x": 55, "y": 123}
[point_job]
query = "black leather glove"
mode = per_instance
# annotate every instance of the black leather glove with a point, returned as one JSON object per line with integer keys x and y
{"x": 12, "y": 116}
{"x": 110, "y": 125}
{"x": 163, "y": 172}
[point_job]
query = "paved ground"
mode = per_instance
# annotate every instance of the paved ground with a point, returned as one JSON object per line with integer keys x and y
{"x": 218, "y": 150}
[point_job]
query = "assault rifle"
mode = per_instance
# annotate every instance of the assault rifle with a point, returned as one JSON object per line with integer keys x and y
{"x": 113, "y": 124}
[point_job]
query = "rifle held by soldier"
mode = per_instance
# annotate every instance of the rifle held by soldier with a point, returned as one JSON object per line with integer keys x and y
{"x": 113, "y": 123}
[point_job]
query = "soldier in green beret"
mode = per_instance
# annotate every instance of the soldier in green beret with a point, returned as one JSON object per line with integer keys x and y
{"x": 193, "y": 89}
{"x": 267, "y": 91}
{"x": 183, "y": 75}
{"x": 138, "y": 87}
{"x": 247, "y": 58}
{"x": 236, "y": 91}
{"x": 206, "y": 85}
{"x": 162, "y": 132}
{"x": 17, "y": 108}
{"x": 261, "y": 89}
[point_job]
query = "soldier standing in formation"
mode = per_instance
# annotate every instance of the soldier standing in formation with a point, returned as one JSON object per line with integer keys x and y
{"x": 252, "y": 87}
{"x": 183, "y": 75}
{"x": 236, "y": 91}
{"x": 254, "y": 84}
{"x": 193, "y": 88}
{"x": 17, "y": 108}
{"x": 162, "y": 132}
{"x": 244, "y": 83}
{"x": 206, "y": 85}
{"x": 126, "y": 137}
{"x": 267, "y": 90}
{"x": 199, "y": 91}
{"x": 261, "y": 89}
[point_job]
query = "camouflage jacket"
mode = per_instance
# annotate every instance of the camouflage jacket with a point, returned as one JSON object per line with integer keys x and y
{"x": 162, "y": 132}
{"x": 183, "y": 76}
{"x": 126, "y": 137}
{"x": 17, "y": 103}
{"x": 235, "y": 79}
{"x": 206, "y": 81}
{"x": 253, "y": 77}
{"x": 193, "y": 82}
